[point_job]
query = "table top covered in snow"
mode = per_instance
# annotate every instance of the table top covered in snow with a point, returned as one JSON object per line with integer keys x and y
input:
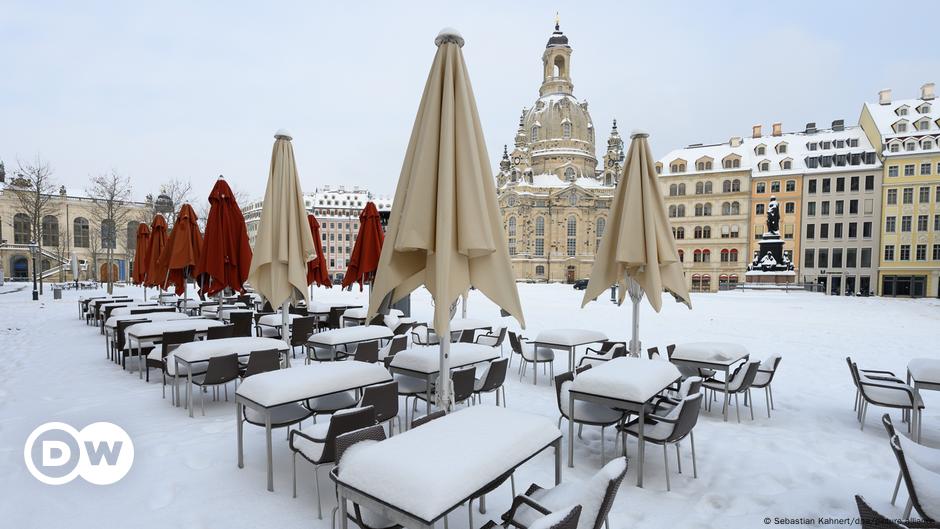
{"x": 464, "y": 324}
{"x": 359, "y": 313}
{"x": 427, "y": 360}
{"x": 710, "y": 352}
{"x": 324, "y": 307}
{"x": 361, "y": 333}
{"x": 429, "y": 470}
{"x": 152, "y": 316}
{"x": 925, "y": 370}
{"x": 569, "y": 337}
{"x": 276, "y": 319}
{"x": 627, "y": 379}
{"x": 306, "y": 382}
{"x": 156, "y": 329}
{"x": 203, "y": 350}
{"x": 121, "y": 311}
{"x": 212, "y": 309}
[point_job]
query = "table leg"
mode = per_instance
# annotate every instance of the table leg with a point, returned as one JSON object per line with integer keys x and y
{"x": 140, "y": 361}
{"x": 267, "y": 433}
{"x": 558, "y": 462}
{"x": 641, "y": 441}
{"x": 428, "y": 402}
{"x": 571, "y": 355}
{"x": 239, "y": 427}
{"x": 189, "y": 391}
{"x": 570, "y": 433}
{"x": 727, "y": 398}
{"x": 176, "y": 382}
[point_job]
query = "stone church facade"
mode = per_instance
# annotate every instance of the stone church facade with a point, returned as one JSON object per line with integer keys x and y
{"x": 553, "y": 197}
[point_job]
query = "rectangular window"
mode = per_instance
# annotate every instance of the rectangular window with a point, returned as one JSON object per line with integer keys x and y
{"x": 853, "y": 230}
{"x": 824, "y": 207}
{"x": 812, "y": 186}
{"x": 908, "y": 196}
{"x": 923, "y": 195}
{"x": 936, "y": 252}
{"x": 851, "y": 257}
{"x": 905, "y": 253}
{"x": 925, "y": 168}
{"x": 824, "y": 231}
{"x": 840, "y": 207}
{"x": 810, "y": 209}
{"x": 810, "y": 231}
{"x": 892, "y": 197}
{"x": 909, "y": 170}
{"x": 854, "y": 183}
{"x": 866, "y": 230}
{"x": 822, "y": 260}
{"x": 789, "y": 207}
{"x": 853, "y": 207}
{"x": 922, "y": 223}
{"x": 890, "y": 224}
{"x": 791, "y": 184}
{"x": 869, "y": 182}
{"x": 840, "y": 184}
{"x": 758, "y": 230}
{"x": 869, "y": 206}
{"x": 837, "y": 230}
{"x": 809, "y": 257}
{"x": 893, "y": 170}
{"x": 539, "y": 247}
{"x": 788, "y": 231}
{"x": 920, "y": 252}
{"x": 936, "y": 223}
{"x": 571, "y": 247}
{"x": 775, "y": 186}
{"x": 865, "y": 261}
{"x": 906, "y": 223}
{"x": 826, "y": 185}
{"x": 889, "y": 253}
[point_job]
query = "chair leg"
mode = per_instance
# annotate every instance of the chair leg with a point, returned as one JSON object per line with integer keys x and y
{"x": 863, "y": 411}
{"x": 225, "y": 387}
{"x": 294, "y": 471}
{"x": 771, "y": 391}
{"x": 737, "y": 409}
{"x": 512, "y": 483}
{"x": 746, "y": 399}
{"x": 678, "y": 459}
{"x": 316, "y": 479}
{"x": 202, "y": 401}
{"x": 666, "y": 464}
{"x": 767, "y": 398}
{"x": 897, "y": 486}
{"x": 907, "y": 509}
{"x": 692, "y": 443}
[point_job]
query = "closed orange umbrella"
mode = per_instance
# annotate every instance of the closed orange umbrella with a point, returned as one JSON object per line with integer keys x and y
{"x": 364, "y": 260}
{"x": 155, "y": 276}
{"x": 317, "y": 270}
{"x": 141, "y": 254}
{"x": 182, "y": 250}
{"x": 226, "y": 254}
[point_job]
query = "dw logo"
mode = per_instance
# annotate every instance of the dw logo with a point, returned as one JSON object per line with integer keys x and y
{"x": 101, "y": 453}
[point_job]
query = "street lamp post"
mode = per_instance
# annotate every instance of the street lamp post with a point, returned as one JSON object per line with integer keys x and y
{"x": 33, "y": 249}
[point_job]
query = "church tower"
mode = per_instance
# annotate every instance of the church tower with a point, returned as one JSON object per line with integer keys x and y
{"x": 556, "y": 64}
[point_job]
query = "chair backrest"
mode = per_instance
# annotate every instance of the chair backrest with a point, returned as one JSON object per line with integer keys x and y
{"x": 427, "y": 418}
{"x": 500, "y": 336}
{"x": 241, "y": 321}
{"x": 263, "y": 361}
{"x": 671, "y": 348}
{"x": 383, "y": 398}
{"x": 495, "y": 375}
{"x": 221, "y": 369}
{"x": 378, "y": 319}
{"x": 398, "y": 344}
{"x": 148, "y": 310}
{"x": 889, "y": 426}
{"x": 690, "y": 386}
{"x": 301, "y": 329}
{"x": 613, "y": 485}
{"x": 466, "y": 336}
{"x": 119, "y": 332}
{"x": 333, "y": 320}
{"x": 367, "y": 352}
{"x": 302, "y": 311}
{"x": 853, "y": 370}
{"x": 515, "y": 343}
{"x": 345, "y": 421}
{"x": 463, "y": 383}
{"x": 217, "y": 333}
{"x": 769, "y": 365}
{"x": 244, "y": 299}
{"x": 402, "y": 329}
{"x": 267, "y": 308}
{"x": 563, "y": 378}
{"x": 619, "y": 349}
{"x": 744, "y": 376}
{"x": 171, "y": 340}
{"x": 872, "y": 519}
{"x": 908, "y": 481}
{"x": 369, "y": 433}
{"x": 653, "y": 353}
{"x": 563, "y": 519}
{"x": 686, "y": 416}
{"x": 503, "y": 313}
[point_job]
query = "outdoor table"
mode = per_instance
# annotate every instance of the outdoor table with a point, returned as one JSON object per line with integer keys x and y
{"x": 123, "y": 311}
{"x": 166, "y": 298}
{"x": 227, "y": 313}
{"x": 214, "y": 311}
{"x": 102, "y": 309}
{"x": 425, "y": 362}
{"x": 266, "y": 391}
{"x": 357, "y": 315}
{"x": 716, "y": 356}
{"x": 624, "y": 383}
{"x": 83, "y": 304}
{"x": 417, "y": 477}
{"x": 346, "y": 336}
{"x": 111, "y": 324}
{"x": 191, "y": 353}
{"x": 566, "y": 340}
{"x": 148, "y": 332}
{"x": 469, "y": 324}
{"x": 922, "y": 373}
{"x": 95, "y": 304}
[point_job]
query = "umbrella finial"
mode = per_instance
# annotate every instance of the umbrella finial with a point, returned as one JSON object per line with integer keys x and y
{"x": 637, "y": 133}
{"x": 282, "y": 133}
{"x": 449, "y": 35}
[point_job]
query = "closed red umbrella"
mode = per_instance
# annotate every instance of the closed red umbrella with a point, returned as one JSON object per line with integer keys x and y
{"x": 182, "y": 250}
{"x": 157, "y": 243}
{"x": 141, "y": 254}
{"x": 226, "y": 254}
{"x": 364, "y": 260}
{"x": 317, "y": 270}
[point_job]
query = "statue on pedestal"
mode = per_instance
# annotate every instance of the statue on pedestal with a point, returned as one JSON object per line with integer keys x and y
{"x": 773, "y": 217}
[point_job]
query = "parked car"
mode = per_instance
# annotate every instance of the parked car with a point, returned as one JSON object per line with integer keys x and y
{"x": 580, "y": 284}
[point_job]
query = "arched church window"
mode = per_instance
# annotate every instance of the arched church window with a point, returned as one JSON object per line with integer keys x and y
{"x": 570, "y": 174}
{"x": 535, "y": 133}
{"x": 566, "y": 131}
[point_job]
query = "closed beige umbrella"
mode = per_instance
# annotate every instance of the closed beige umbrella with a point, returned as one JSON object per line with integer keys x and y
{"x": 638, "y": 252}
{"x": 445, "y": 231}
{"x": 283, "y": 244}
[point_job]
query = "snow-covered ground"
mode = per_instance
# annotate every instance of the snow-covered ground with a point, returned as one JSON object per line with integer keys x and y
{"x": 807, "y": 460}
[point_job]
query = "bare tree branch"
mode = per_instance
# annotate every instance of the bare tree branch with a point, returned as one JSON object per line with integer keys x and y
{"x": 179, "y": 192}
{"x": 110, "y": 194}
{"x": 32, "y": 187}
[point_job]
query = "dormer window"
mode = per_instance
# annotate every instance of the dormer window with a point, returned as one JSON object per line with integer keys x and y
{"x": 900, "y": 126}
{"x": 840, "y": 144}
{"x": 902, "y": 110}
{"x": 825, "y": 145}
{"x": 922, "y": 124}
{"x": 731, "y": 162}
{"x": 894, "y": 147}
{"x": 570, "y": 174}
{"x": 927, "y": 144}
{"x": 853, "y": 142}
{"x": 811, "y": 146}
{"x": 924, "y": 109}
{"x": 910, "y": 146}
{"x": 764, "y": 165}
{"x": 786, "y": 164}
{"x": 760, "y": 150}
{"x": 781, "y": 148}
{"x": 659, "y": 168}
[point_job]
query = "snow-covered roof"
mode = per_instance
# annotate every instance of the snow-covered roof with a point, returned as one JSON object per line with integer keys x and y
{"x": 901, "y": 121}
{"x": 830, "y": 149}
{"x": 552, "y": 180}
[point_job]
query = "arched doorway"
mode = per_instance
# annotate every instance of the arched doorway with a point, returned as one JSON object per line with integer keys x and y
{"x": 19, "y": 267}
{"x": 569, "y": 274}
{"x": 103, "y": 274}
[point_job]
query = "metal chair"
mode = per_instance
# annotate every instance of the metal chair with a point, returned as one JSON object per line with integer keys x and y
{"x": 384, "y": 400}
{"x": 529, "y": 354}
{"x": 367, "y": 352}
{"x": 220, "y": 371}
{"x": 241, "y": 321}
{"x": 362, "y": 517}
{"x": 217, "y": 333}
{"x": 261, "y": 362}
{"x": 740, "y": 382}
{"x": 492, "y": 381}
{"x": 589, "y": 413}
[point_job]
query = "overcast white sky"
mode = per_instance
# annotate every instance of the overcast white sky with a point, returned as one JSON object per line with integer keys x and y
{"x": 196, "y": 89}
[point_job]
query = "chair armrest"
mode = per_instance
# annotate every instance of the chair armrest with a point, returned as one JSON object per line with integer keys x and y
{"x": 592, "y": 359}
{"x": 907, "y": 389}
{"x": 876, "y": 371}
{"x": 294, "y": 433}
{"x": 660, "y": 418}
{"x": 519, "y": 501}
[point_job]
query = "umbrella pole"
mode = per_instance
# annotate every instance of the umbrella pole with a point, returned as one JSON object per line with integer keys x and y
{"x": 463, "y": 306}
{"x": 636, "y": 295}
{"x": 285, "y": 321}
{"x": 443, "y": 383}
